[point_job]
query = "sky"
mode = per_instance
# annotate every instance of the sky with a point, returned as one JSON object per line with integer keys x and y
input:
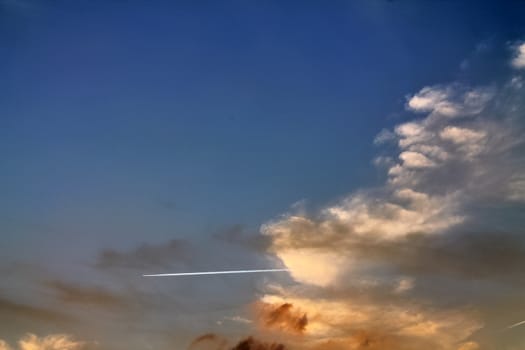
{"x": 375, "y": 149}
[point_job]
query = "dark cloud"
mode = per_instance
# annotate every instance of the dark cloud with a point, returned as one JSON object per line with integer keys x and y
{"x": 251, "y": 343}
{"x": 209, "y": 341}
{"x": 145, "y": 255}
{"x": 283, "y": 317}
{"x": 10, "y": 309}
{"x": 91, "y": 296}
{"x": 497, "y": 256}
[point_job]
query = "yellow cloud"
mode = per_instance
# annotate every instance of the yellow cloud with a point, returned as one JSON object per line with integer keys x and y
{"x": 49, "y": 342}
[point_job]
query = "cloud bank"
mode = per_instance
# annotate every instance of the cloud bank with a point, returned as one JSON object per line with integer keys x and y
{"x": 367, "y": 267}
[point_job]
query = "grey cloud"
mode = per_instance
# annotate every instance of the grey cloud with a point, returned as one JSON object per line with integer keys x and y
{"x": 89, "y": 296}
{"x": 10, "y": 310}
{"x": 145, "y": 256}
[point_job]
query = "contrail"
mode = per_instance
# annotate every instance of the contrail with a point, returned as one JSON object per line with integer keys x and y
{"x": 516, "y": 324}
{"x": 211, "y": 273}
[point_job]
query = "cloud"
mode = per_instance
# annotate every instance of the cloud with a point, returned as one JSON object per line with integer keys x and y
{"x": 469, "y": 346}
{"x": 145, "y": 256}
{"x": 4, "y": 345}
{"x": 368, "y": 267}
{"x": 209, "y": 341}
{"x": 518, "y": 61}
{"x": 89, "y": 296}
{"x": 283, "y": 317}
{"x": 449, "y": 101}
{"x": 361, "y": 323}
{"x": 251, "y": 343}
{"x": 10, "y": 309}
{"x": 415, "y": 160}
{"x": 49, "y": 342}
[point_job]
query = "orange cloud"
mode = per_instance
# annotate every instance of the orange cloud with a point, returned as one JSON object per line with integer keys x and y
{"x": 283, "y": 317}
{"x": 48, "y": 342}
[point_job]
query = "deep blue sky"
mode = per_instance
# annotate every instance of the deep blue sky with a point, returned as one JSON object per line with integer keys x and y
{"x": 123, "y": 121}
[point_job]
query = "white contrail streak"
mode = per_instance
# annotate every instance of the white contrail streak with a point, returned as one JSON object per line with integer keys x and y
{"x": 516, "y": 324}
{"x": 211, "y": 273}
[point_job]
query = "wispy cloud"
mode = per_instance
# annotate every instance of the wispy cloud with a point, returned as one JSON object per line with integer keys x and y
{"x": 10, "y": 309}
{"x": 145, "y": 256}
{"x": 89, "y": 296}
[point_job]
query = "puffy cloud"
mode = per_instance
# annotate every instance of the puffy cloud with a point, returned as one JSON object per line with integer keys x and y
{"x": 415, "y": 160}
{"x": 519, "y": 57}
{"x": 49, "y": 342}
{"x": 358, "y": 324}
{"x": 314, "y": 248}
{"x": 443, "y": 167}
{"x": 449, "y": 101}
{"x": 367, "y": 266}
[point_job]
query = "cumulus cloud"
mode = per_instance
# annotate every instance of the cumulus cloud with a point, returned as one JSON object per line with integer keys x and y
{"x": 450, "y": 166}
{"x": 449, "y": 101}
{"x": 49, "y": 342}
{"x": 518, "y": 60}
{"x": 357, "y": 323}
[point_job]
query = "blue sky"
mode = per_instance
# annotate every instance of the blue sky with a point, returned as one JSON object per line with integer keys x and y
{"x": 222, "y": 111}
{"x": 131, "y": 122}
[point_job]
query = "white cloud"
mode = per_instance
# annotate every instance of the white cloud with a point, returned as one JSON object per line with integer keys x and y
{"x": 415, "y": 160}
{"x": 519, "y": 57}
{"x": 449, "y": 101}
{"x": 429, "y": 99}
{"x": 404, "y": 285}
{"x": 464, "y": 151}
{"x": 462, "y": 135}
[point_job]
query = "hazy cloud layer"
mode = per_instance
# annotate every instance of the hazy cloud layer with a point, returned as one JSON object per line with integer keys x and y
{"x": 145, "y": 256}
{"x": 89, "y": 296}
{"x": 10, "y": 309}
